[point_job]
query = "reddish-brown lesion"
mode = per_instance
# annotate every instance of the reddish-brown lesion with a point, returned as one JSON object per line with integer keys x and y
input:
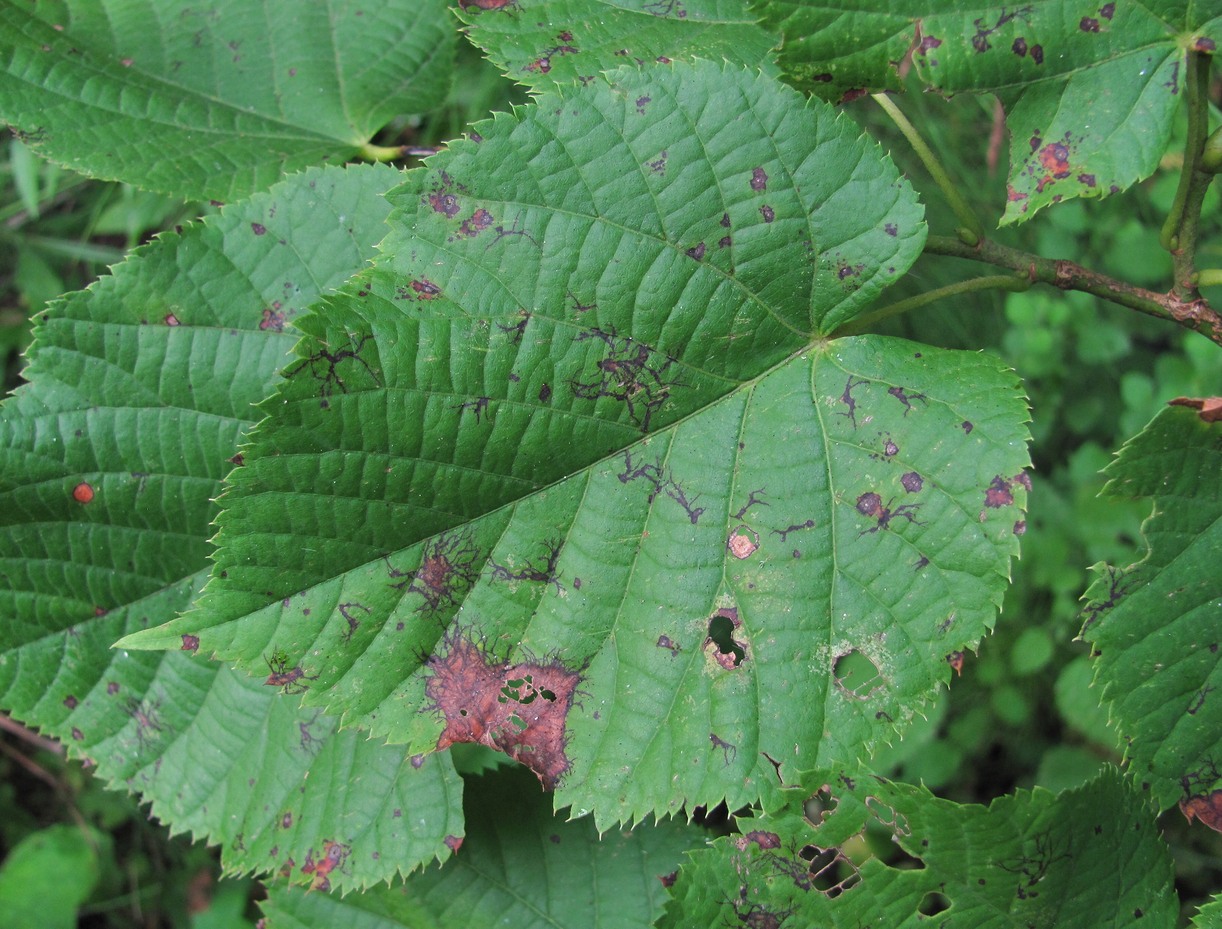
{"x": 519, "y": 709}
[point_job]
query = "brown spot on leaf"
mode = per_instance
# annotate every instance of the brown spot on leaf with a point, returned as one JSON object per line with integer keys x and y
{"x": 891, "y": 229}
{"x": 333, "y": 856}
{"x": 1087, "y": 179}
{"x": 912, "y": 482}
{"x": 759, "y": 179}
{"x": 767, "y": 213}
{"x": 743, "y": 542}
{"x": 190, "y": 643}
{"x": 1108, "y": 10}
{"x": 1089, "y": 24}
{"x": 1205, "y": 807}
{"x": 1055, "y": 158}
{"x": 696, "y": 251}
{"x": 1019, "y": 47}
{"x": 1037, "y": 54}
{"x": 258, "y": 228}
{"x": 955, "y": 660}
{"x": 1210, "y": 408}
{"x": 517, "y": 709}
{"x": 998, "y": 493}
{"x": 1020, "y": 527}
{"x": 1204, "y": 44}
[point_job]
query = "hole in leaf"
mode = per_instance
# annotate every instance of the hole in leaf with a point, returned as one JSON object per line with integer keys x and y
{"x": 819, "y": 806}
{"x": 721, "y": 634}
{"x": 856, "y": 674}
{"x": 932, "y": 904}
{"x": 830, "y": 872}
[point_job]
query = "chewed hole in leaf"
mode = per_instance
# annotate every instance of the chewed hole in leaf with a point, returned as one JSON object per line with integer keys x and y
{"x": 831, "y": 873}
{"x": 721, "y": 644}
{"x": 932, "y": 904}
{"x": 819, "y": 806}
{"x": 856, "y": 675}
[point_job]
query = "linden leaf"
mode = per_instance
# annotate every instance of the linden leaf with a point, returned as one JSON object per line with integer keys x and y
{"x": 1090, "y": 89}
{"x": 1155, "y": 622}
{"x": 542, "y": 43}
{"x": 519, "y": 866}
{"x": 1086, "y": 858}
{"x": 220, "y": 99}
{"x": 575, "y": 473}
{"x": 140, "y": 390}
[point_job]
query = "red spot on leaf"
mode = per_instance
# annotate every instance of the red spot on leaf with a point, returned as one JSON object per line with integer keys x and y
{"x": 955, "y": 660}
{"x": 1055, "y": 158}
{"x": 517, "y": 709}
{"x": 190, "y": 643}
{"x": 83, "y": 493}
{"x": 171, "y": 319}
{"x": 453, "y": 842}
{"x": 333, "y": 856}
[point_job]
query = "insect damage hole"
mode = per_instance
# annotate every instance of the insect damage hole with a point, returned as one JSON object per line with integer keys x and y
{"x": 932, "y": 904}
{"x": 721, "y": 644}
{"x": 831, "y": 873}
{"x": 856, "y": 675}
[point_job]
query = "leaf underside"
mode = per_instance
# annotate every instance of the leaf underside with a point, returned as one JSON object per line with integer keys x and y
{"x": 1089, "y": 857}
{"x": 140, "y": 389}
{"x": 217, "y": 100}
{"x": 1090, "y": 88}
{"x": 1155, "y": 623}
{"x": 573, "y": 474}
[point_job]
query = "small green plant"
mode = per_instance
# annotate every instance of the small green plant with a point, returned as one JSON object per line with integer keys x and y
{"x": 620, "y": 439}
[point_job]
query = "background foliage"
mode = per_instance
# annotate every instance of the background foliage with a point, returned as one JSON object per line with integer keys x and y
{"x": 1022, "y": 714}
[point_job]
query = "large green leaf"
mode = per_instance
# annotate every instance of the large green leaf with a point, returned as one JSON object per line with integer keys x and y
{"x": 1087, "y": 858}
{"x": 568, "y": 476}
{"x": 1090, "y": 87}
{"x": 519, "y": 867}
{"x": 220, "y": 99}
{"x": 140, "y": 390}
{"x": 1155, "y": 623}
{"x": 542, "y": 43}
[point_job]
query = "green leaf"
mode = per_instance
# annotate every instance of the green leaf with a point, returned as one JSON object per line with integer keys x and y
{"x": 1085, "y": 858}
{"x": 219, "y": 100}
{"x": 1155, "y": 622}
{"x": 47, "y": 876}
{"x": 566, "y": 477}
{"x": 110, "y": 459}
{"x": 519, "y": 867}
{"x": 1090, "y": 89}
{"x": 1209, "y": 916}
{"x": 543, "y": 43}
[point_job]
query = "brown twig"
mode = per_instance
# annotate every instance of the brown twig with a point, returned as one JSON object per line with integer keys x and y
{"x": 1193, "y": 313}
